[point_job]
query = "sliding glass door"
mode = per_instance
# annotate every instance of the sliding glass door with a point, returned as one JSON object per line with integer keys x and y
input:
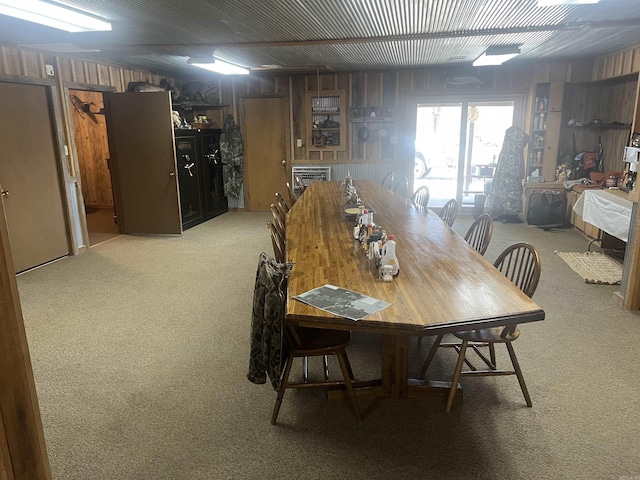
{"x": 457, "y": 145}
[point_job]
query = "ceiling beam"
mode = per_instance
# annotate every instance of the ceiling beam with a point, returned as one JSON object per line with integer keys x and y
{"x": 379, "y": 39}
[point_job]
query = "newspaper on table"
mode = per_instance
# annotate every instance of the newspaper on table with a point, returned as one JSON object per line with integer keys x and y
{"x": 342, "y": 302}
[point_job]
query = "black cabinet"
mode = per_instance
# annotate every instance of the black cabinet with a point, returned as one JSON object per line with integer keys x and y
{"x": 199, "y": 175}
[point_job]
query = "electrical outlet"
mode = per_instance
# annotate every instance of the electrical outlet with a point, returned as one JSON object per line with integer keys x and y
{"x": 393, "y": 140}
{"x": 49, "y": 70}
{"x": 298, "y": 142}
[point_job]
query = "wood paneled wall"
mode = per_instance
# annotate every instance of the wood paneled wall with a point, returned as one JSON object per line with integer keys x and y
{"x": 617, "y": 64}
{"x": 392, "y": 88}
{"x": 90, "y": 134}
{"x": 611, "y": 101}
{"x": 30, "y": 63}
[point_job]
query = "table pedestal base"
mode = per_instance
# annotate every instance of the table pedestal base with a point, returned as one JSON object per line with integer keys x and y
{"x": 415, "y": 388}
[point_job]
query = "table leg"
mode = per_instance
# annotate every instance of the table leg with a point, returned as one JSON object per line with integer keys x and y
{"x": 395, "y": 371}
{"x": 395, "y": 381}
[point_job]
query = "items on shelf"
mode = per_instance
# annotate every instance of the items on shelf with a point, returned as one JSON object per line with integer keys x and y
{"x": 542, "y": 103}
{"x": 372, "y": 114}
{"x": 326, "y": 121}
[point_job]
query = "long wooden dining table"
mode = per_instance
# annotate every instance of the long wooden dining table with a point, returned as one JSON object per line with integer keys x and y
{"x": 444, "y": 285}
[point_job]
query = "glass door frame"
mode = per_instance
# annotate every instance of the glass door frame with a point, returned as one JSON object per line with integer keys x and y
{"x": 464, "y": 100}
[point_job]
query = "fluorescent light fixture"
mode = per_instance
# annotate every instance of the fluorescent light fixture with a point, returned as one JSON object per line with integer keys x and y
{"x": 497, "y": 55}
{"x": 219, "y": 66}
{"x": 51, "y": 15}
{"x": 552, "y": 3}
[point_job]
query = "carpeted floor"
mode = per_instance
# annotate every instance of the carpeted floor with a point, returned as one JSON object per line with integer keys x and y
{"x": 140, "y": 351}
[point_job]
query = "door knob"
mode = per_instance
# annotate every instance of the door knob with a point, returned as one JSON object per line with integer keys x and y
{"x": 4, "y": 193}
{"x": 284, "y": 162}
{"x": 172, "y": 174}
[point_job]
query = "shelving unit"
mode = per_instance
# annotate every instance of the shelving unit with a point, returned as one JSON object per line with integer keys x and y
{"x": 190, "y": 111}
{"x": 542, "y": 150}
{"x": 599, "y": 113}
{"x": 326, "y": 120}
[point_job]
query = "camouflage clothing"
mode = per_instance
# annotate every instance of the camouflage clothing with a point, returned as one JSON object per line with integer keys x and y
{"x": 232, "y": 156}
{"x": 506, "y": 188}
{"x": 267, "y": 321}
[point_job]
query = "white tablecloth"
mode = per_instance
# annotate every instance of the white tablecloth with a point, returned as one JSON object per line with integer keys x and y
{"x": 606, "y": 211}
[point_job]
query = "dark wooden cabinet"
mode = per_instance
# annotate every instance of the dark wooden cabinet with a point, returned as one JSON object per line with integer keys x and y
{"x": 199, "y": 175}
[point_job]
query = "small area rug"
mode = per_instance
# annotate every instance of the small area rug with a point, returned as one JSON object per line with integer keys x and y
{"x": 594, "y": 267}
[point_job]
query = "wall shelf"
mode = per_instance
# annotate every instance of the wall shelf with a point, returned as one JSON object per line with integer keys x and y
{"x": 326, "y": 120}
{"x": 545, "y": 129}
{"x": 604, "y": 126}
{"x": 199, "y": 105}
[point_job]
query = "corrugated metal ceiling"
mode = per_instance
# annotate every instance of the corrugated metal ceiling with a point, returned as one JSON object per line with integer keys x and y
{"x": 341, "y": 34}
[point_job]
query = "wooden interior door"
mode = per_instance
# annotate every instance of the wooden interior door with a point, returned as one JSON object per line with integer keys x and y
{"x": 29, "y": 176}
{"x": 23, "y": 454}
{"x": 143, "y": 162}
{"x": 266, "y": 152}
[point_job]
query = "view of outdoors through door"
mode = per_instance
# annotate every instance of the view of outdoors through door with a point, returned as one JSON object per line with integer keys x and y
{"x": 457, "y": 147}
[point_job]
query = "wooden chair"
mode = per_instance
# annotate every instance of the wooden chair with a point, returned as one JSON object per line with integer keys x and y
{"x": 479, "y": 233}
{"x": 313, "y": 342}
{"x": 520, "y": 263}
{"x": 299, "y": 184}
{"x": 292, "y": 196}
{"x": 420, "y": 198}
{"x": 402, "y": 187}
{"x": 278, "y": 242}
{"x": 282, "y": 204}
{"x": 449, "y": 212}
{"x": 279, "y": 221}
{"x": 387, "y": 181}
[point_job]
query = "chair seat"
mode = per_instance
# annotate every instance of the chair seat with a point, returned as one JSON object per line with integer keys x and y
{"x": 317, "y": 340}
{"x": 491, "y": 335}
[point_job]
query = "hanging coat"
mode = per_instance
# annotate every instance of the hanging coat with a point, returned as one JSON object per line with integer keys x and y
{"x": 232, "y": 156}
{"x": 506, "y": 188}
{"x": 268, "y": 349}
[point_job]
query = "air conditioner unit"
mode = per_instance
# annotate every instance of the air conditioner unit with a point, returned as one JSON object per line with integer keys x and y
{"x": 309, "y": 174}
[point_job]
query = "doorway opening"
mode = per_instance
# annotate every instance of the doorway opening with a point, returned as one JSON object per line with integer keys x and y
{"x": 457, "y": 145}
{"x": 92, "y": 147}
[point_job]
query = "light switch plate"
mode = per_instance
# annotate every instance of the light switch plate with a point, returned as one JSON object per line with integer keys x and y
{"x": 49, "y": 70}
{"x": 298, "y": 142}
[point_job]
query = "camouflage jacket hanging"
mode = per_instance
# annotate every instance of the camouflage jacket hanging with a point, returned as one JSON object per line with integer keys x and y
{"x": 232, "y": 156}
{"x": 267, "y": 321}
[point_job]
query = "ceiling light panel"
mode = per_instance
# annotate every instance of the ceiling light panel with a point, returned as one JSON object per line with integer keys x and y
{"x": 55, "y": 16}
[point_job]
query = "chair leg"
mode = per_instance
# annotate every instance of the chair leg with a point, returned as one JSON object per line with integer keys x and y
{"x": 305, "y": 369}
{"x": 342, "y": 359}
{"x": 325, "y": 365}
{"x": 283, "y": 387}
{"x": 456, "y": 375}
{"x": 492, "y": 355}
{"x": 432, "y": 353}
{"x": 348, "y": 364}
{"x": 516, "y": 367}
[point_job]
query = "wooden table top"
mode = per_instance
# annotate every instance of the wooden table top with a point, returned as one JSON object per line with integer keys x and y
{"x": 444, "y": 285}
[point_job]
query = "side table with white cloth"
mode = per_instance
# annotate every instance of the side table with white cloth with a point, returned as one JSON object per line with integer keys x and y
{"x": 609, "y": 211}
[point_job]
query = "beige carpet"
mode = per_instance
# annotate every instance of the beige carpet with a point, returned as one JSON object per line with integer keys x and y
{"x": 140, "y": 349}
{"x": 594, "y": 267}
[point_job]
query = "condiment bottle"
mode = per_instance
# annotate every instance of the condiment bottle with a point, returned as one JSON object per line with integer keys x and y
{"x": 348, "y": 183}
{"x": 363, "y": 219}
{"x": 389, "y": 266}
